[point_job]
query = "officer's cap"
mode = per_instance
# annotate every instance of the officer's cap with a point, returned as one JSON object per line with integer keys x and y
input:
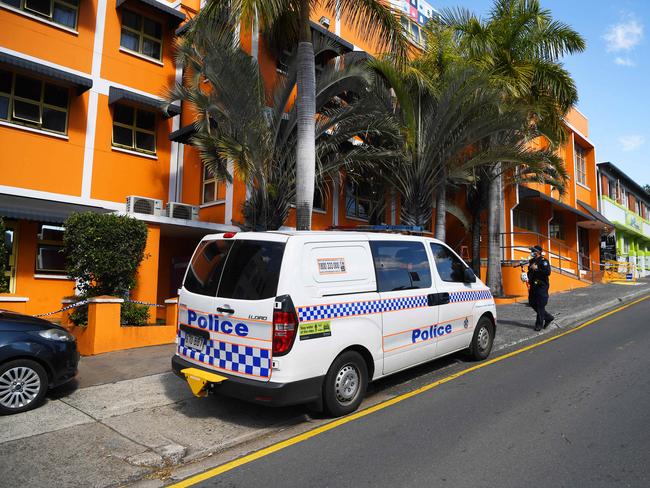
{"x": 536, "y": 249}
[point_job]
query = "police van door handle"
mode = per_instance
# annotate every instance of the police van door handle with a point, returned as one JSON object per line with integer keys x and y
{"x": 225, "y": 310}
{"x": 434, "y": 299}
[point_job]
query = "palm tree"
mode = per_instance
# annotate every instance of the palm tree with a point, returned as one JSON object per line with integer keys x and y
{"x": 235, "y": 125}
{"x": 445, "y": 129}
{"x": 520, "y": 46}
{"x": 372, "y": 18}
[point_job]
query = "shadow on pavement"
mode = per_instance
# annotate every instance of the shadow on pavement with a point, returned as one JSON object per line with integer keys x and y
{"x": 232, "y": 410}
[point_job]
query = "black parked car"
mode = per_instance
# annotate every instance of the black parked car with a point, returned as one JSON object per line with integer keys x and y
{"x": 35, "y": 355}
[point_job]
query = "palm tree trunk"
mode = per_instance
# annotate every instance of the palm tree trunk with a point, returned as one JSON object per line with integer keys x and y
{"x": 441, "y": 213}
{"x": 494, "y": 279}
{"x": 306, "y": 123}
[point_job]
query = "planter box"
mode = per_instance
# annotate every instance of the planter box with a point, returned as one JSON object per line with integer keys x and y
{"x": 104, "y": 332}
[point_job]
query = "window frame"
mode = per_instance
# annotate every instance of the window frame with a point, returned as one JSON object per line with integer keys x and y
{"x": 408, "y": 24}
{"x": 40, "y": 242}
{"x": 218, "y": 184}
{"x": 13, "y": 119}
{"x": 141, "y": 34}
{"x": 134, "y": 130}
{"x": 357, "y": 198}
{"x": 394, "y": 243}
{"x": 517, "y": 213}
{"x": 580, "y": 157}
{"x": 613, "y": 188}
{"x": 48, "y": 18}
{"x": 454, "y": 256}
{"x": 323, "y": 194}
{"x": 560, "y": 235}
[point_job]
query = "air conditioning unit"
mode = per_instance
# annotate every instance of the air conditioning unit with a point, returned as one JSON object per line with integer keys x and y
{"x": 144, "y": 205}
{"x": 182, "y": 211}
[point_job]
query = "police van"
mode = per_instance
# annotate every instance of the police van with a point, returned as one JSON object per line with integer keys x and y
{"x": 294, "y": 317}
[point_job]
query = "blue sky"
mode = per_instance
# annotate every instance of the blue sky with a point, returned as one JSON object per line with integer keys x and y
{"x": 612, "y": 75}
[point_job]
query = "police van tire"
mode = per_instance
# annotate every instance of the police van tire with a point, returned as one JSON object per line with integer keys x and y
{"x": 345, "y": 384}
{"x": 482, "y": 340}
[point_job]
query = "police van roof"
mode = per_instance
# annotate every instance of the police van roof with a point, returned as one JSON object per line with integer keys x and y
{"x": 338, "y": 235}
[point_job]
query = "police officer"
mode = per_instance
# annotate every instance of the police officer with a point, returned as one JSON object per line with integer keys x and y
{"x": 539, "y": 270}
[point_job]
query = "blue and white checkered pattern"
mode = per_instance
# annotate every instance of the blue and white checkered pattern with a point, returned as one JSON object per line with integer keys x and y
{"x": 337, "y": 310}
{"x": 310, "y": 313}
{"x": 230, "y": 357}
{"x": 469, "y": 296}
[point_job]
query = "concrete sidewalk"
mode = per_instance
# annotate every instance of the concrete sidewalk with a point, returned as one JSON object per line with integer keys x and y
{"x": 127, "y": 415}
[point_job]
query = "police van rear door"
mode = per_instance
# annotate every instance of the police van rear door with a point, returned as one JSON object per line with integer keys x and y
{"x": 236, "y": 321}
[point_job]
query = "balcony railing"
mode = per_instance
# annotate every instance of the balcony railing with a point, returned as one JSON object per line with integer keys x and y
{"x": 515, "y": 247}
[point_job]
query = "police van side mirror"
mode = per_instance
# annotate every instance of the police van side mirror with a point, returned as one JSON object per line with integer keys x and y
{"x": 469, "y": 276}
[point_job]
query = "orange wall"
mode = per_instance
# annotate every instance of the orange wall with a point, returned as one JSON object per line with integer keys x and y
{"x": 513, "y": 286}
{"x": 579, "y": 121}
{"x": 131, "y": 70}
{"x": 29, "y": 36}
{"x": 146, "y": 289}
{"x": 117, "y": 175}
{"x": 41, "y": 162}
{"x": 44, "y": 294}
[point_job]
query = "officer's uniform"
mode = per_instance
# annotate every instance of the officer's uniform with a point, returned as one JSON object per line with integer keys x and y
{"x": 529, "y": 273}
{"x": 539, "y": 284}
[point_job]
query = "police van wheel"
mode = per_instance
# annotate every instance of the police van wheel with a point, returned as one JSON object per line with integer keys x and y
{"x": 482, "y": 341}
{"x": 345, "y": 384}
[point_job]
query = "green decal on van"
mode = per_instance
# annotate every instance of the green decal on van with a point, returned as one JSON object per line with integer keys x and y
{"x": 315, "y": 330}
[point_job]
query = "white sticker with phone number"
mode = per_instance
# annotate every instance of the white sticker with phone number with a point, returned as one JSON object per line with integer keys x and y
{"x": 331, "y": 266}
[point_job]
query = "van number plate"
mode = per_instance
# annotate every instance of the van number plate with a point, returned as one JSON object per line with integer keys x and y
{"x": 194, "y": 342}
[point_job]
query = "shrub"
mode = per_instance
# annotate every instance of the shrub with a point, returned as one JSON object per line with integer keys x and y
{"x": 4, "y": 285}
{"x": 134, "y": 314}
{"x": 103, "y": 252}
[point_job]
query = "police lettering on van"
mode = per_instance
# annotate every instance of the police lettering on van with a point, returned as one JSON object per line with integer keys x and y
{"x": 287, "y": 317}
{"x": 212, "y": 322}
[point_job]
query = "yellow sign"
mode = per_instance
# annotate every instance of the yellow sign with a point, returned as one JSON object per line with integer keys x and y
{"x": 314, "y": 330}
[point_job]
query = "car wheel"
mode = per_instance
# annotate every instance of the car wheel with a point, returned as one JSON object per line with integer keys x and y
{"x": 23, "y": 384}
{"x": 482, "y": 341}
{"x": 345, "y": 384}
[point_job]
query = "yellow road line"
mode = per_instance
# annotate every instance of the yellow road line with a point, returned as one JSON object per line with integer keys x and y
{"x": 380, "y": 406}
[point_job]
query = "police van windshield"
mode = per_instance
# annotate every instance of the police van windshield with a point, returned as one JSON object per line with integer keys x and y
{"x": 237, "y": 269}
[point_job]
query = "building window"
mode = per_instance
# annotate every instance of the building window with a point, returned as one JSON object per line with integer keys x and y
{"x": 141, "y": 35}
{"x": 214, "y": 190}
{"x": 49, "y": 251}
{"x": 62, "y": 12}
{"x": 319, "y": 199}
{"x": 612, "y": 189}
{"x": 282, "y": 62}
{"x": 413, "y": 31}
{"x": 525, "y": 220}
{"x": 34, "y": 103}
{"x": 556, "y": 227}
{"x": 581, "y": 165}
{"x": 134, "y": 129}
{"x": 359, "y": 199}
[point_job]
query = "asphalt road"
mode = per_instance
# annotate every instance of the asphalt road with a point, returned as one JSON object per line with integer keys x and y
{"x": 573, "y": 412}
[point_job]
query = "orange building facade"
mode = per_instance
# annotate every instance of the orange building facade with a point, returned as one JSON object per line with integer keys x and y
{"x": 81, "y": 129}
{"x": 567, "y": 226}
